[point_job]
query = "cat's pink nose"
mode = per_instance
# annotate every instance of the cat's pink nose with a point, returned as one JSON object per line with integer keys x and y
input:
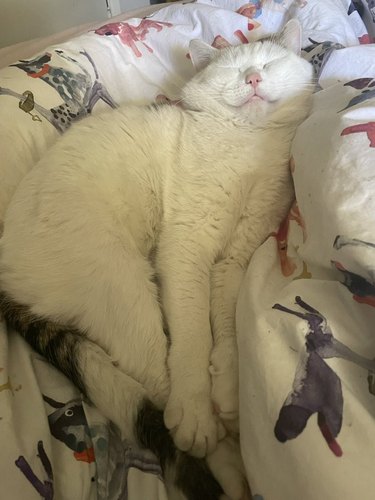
{"x": 253, "y": 79}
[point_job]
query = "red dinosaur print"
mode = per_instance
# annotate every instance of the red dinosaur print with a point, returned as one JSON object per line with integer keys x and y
{"x": 129, "y": 34}
{"x": 251, "y": 10}
{"x": 241, "y": 36}
{"x": 87, "y": 456}
{"x": 366, "y": 39}
{"x": 220, "y": 42}
{"x": 286, "y": 263}
{"x": 369, "y": 128}
{"x": 295, "y": 214}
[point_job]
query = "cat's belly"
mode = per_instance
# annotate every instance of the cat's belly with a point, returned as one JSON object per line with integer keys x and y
{"x": 60, "y": 229}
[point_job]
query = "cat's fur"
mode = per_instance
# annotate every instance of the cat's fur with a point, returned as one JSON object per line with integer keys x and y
{"x": 185, "y": 194}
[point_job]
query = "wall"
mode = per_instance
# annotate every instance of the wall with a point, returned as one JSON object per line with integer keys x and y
{"x": 22, "y": 20}
{"x": 118, "y": 6}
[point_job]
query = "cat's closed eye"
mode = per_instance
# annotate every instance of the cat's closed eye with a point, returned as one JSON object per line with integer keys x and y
{"x": 273, "y": 62}
{"x": 250, "y": 69}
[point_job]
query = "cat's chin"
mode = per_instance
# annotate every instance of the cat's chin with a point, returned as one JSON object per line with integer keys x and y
{"x": 252, "y": 110}
{"x": 256, "y": 104}
{"x": 256, "y": 109}
{"x": 252, "y": 101}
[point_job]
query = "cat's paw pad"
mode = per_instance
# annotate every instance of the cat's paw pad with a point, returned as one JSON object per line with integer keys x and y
{"x": 224, "y": 377}
{"x": 227, "y": 467}
{"x": 194, "y": 426}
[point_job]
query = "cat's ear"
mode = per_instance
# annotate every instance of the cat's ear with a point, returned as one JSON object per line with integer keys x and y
{"x": 291, "y": 36}
{"x": 201, "y": 53}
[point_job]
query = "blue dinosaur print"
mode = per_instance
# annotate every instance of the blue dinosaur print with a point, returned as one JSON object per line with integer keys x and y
{"x": 100, "y": 444}
{"x": 318, "y": 54}
{"x": 68, "y": 424}
{"x": 78, "y": 90}
{"x": 362, "y": 289}
{"x": 114, "y": 459}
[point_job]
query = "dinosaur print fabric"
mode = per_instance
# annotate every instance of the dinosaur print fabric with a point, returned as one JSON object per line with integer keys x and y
{"x": 306, "y": 311}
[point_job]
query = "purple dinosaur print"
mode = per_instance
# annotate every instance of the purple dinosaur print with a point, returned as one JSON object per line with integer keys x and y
{"x": 342, "y": 241}
{"x": 316, "y": 387}
{"x": 367, "y": 85}
{"x": 45, "y": 488}
{"x": 355, "y": 6}
{"x": 371, "y": 8}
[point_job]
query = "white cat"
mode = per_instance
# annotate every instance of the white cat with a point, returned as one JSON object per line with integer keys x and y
{"x": 183, "y": 194}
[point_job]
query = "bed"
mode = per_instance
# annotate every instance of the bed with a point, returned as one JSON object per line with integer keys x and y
{"x": 306, "y": 310}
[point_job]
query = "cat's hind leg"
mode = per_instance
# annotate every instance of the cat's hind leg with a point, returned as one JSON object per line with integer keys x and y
{"x": 226, "y": 277}
{"x": 227, "y": 466}
{"x": 252, "y": 229}
{"x": 118, "y": 397}
{"x": 87, "y": 271}
{"x": 123, "y": 316}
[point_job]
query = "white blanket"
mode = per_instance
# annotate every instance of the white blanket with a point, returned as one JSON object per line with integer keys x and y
{"x": 145, "y": 60}
{"x": 307, "y": 367}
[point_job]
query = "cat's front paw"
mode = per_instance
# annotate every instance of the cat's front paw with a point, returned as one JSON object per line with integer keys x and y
{"x": 193, "y": 424}
{"x": 224, "y": 377}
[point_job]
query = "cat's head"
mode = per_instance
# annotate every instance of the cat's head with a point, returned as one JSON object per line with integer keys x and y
{"x": 254, "y": 83}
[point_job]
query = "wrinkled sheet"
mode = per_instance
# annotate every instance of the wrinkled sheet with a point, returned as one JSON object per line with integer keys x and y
{"x": 54, "y": 445}
{"x": 306, "y": 312}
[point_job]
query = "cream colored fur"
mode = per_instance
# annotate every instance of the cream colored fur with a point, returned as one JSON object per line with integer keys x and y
{"x": 184, "y": 194}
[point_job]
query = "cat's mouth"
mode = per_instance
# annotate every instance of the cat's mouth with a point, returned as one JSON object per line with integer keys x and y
{"x": 255, "y": 98}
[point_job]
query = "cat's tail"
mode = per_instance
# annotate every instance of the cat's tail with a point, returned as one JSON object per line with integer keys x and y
{"x": 119, "y": 397}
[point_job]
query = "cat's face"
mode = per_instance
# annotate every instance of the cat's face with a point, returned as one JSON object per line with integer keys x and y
{"x": 249, "y": 82}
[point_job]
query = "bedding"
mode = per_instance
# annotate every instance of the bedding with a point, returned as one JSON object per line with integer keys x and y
{"x": 306, "y": 311}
